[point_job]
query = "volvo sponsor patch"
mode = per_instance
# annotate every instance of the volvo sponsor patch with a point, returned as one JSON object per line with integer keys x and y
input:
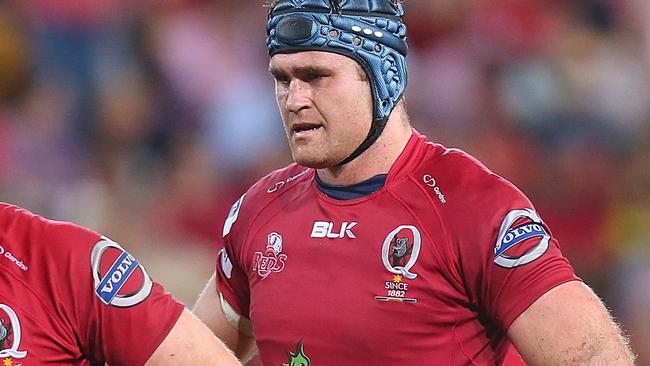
{"x": 519, "y": 227}
{"x": 119, "y": 278}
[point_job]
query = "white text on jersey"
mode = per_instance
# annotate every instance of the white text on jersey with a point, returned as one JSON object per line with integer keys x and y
{"x": 323, "y": 229}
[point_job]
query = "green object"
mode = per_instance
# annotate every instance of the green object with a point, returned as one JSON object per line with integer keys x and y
{"x": 299, "y": 358}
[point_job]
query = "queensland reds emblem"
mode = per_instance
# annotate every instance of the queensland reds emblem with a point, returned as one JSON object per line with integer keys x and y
{"x": 401, "y": 249}
{"x": 10, "y": 333}
{"x": 119, "y": 278}
{"x": 272, "y": 260}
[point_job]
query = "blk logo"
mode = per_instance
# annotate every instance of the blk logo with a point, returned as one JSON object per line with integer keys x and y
{"x": 324, "y": 229}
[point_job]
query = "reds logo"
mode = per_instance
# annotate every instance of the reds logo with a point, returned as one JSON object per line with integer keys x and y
{"x": 271, "y": 260}
{"x": 10, "y": 333}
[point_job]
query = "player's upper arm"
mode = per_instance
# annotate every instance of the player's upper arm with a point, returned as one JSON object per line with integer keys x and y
{"x": 190, "y": 342}
{"x": 234, "y": 330}
{"x": 569, "y": 326}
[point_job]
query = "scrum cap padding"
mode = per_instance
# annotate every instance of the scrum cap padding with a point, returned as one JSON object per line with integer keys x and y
{"x": 370, "y": 32}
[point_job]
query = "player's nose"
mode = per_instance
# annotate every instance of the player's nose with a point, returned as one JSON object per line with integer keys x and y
{"x": 299, "y": 96}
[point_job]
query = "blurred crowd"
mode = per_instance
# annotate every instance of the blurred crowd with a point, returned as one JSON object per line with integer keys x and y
{"x": 145, "y": 120}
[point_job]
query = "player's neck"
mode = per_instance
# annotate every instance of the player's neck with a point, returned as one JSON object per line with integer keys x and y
{"x": 378, "y": 159}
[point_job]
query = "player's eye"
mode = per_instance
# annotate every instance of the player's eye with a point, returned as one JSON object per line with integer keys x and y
{"x": 282, "y": 83}
{"x": 313, "y": 76}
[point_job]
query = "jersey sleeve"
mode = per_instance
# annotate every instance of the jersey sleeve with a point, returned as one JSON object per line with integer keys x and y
{"x": 119, "y": 314}
{"x": 232, "y": 281}
{"x": 509, "y": 256}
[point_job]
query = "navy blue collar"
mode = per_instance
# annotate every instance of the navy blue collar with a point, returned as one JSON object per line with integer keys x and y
{"x": 353, "y": 191}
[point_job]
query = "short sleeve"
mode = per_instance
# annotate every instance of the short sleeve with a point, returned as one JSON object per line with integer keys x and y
{"x": 232, "y": 282}
{"x": 510, "y": 257}
{"x": 118, "y": 313}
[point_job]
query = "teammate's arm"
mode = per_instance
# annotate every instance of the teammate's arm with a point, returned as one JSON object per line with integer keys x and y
{"x": 569, "y": 325}
{"x": 191, "y": 343}
{"x": 235, "y": 331}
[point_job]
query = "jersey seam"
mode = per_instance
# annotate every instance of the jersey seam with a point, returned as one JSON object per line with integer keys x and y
{"x": 43, "y": 303}
{"x": 259, "y": 211}
{"x": 438, "y": 216}
{"x": 460, "y": 345}
{"x": 410, "y": 211}
{"x": 257, "y": 190}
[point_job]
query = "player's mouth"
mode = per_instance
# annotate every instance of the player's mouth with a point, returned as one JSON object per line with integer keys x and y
{"x": 305, "y": 129}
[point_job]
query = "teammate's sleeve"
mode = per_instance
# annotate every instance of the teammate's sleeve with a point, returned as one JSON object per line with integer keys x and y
{"x": 510, "y": 257}
{"x": 120, "y": 316}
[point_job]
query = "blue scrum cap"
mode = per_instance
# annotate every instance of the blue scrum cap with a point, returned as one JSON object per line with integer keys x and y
{"x": 369, "y": 31}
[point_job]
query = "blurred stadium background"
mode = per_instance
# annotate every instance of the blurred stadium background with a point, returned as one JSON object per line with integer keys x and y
{"x": 146, "y": 119}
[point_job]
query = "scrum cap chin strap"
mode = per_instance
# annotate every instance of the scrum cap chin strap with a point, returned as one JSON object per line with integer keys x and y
{"x": 370, "y": 32}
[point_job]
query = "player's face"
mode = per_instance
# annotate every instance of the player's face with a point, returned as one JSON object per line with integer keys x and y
{"x": 325, "y": 103}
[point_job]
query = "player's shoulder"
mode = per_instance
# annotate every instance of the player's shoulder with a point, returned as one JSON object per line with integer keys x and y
{"x": 22, "y": 227}
{"x": 472, "y": 176}
{"x": 425, "y": 156}
{"x": 11, "y": 214}
{"x": 468, "y": 185}
{"x": 456, "y": 161}
{"x": 276, "y": 186}
{"x": 281, "y": 180}
{"x": 33, "y": 247}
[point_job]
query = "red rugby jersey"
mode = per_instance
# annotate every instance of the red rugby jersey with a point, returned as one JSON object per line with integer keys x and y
{"x": 72, "y": 297}
{"x": 430, "y": 270}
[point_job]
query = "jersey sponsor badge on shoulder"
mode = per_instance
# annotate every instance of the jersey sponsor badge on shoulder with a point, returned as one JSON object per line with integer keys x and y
{"x": 120, "y": 280}
{"x": 522, "y": 239}
{"x": 10, "y": 334}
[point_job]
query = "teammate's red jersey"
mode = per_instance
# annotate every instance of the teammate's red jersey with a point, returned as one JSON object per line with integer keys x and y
{"x": 429, "y": 270}
{"x": 72, "y": 297}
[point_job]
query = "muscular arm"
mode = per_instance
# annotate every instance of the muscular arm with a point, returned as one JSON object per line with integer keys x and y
{"x": 569, "y": 325}
{"x": 191, "y": 343}
{"x": 236, "y": 333}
